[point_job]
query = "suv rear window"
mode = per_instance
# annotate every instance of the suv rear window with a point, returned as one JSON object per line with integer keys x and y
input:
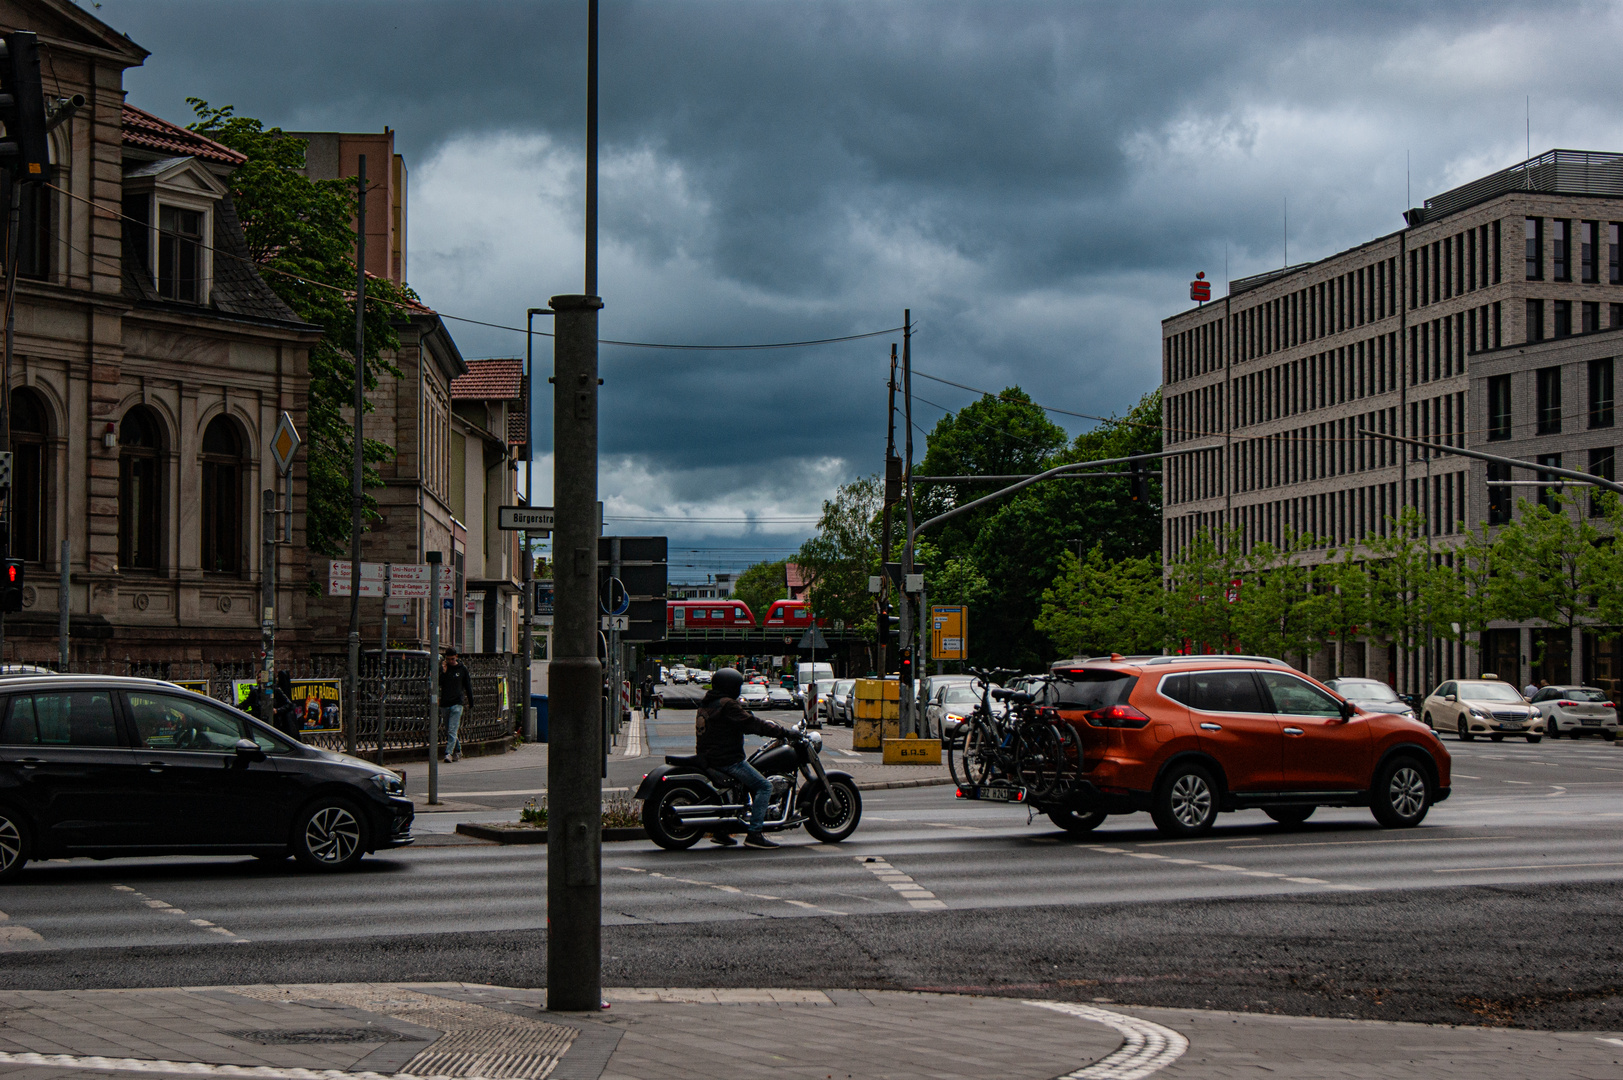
{"x": 1093, "y": 689}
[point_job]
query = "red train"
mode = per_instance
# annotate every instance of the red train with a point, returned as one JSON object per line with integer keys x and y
{"x": 735, "y": 614}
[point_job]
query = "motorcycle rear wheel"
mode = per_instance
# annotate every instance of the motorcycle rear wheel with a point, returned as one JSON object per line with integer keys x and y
{"x": 832, "y": 819}
{"x": 664, "y": 827}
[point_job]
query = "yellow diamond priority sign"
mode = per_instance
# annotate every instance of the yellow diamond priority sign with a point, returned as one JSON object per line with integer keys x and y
{"x": 284, "y": 443}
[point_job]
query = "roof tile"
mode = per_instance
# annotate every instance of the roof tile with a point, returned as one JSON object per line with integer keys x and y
{"x": 490, "y": 380}
{"x": 149, "y": 132}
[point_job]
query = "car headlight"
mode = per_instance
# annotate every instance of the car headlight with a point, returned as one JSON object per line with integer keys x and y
{"x": 388, "y": 783}
{"x": 1481, "y": 713}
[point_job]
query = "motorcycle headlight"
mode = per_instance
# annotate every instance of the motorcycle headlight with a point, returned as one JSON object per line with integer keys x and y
{"x": 388, "y": 783}
{"x": 816, "y": 738}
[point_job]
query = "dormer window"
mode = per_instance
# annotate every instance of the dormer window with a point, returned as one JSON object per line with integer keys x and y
{"x": 180, "y": 254}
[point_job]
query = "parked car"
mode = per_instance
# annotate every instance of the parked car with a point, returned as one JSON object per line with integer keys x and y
{"x": 841, "y": 702}
{"x": 1576, "y": 711}
{"x": 950, "y": 705}
{"x": 1187, "y": 737}
{"x": 111, "y": 767}
{"x": 1372, "y": 695}
{"x": 1484, "y": 706}
{"x": 754, "y": 696}
{"x": 779, "y": 698}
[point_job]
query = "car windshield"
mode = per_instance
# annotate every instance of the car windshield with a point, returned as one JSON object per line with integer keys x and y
{"x": 844, "y": 686}
{"x": 1366, "y": 691}
{"x": 959, "y": 694}
{"x": 1488, "y": 691}
{"x": 1583, "y": 693}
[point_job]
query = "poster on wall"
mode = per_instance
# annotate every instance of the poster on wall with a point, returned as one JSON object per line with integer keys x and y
{"x": 316, "y": 703}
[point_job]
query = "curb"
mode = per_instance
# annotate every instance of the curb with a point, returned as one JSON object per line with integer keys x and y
{"x": 883, "y": 785}
{"x": 506, "y": 834}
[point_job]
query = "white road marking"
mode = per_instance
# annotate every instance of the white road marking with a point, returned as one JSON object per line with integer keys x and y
{"x": 634, "y": 737}
{"x": 915, "y": 894}
{"x": 1146, "y": 1048}
{"x": 730, "y": 889}
{"x": 190, "y": 1068}
{"x": 1228, "y": 868}
{"x": 170, "y": 909}
{"x": 1538, "y": 866}
{"x": 1416, "y": 840}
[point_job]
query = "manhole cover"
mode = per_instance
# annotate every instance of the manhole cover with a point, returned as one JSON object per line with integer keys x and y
{"x": 320, "y": 1035}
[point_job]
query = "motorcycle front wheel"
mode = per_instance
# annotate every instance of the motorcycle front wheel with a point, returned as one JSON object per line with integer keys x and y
{"x": 664, "y": 827}
{"x": 832, "y": 818}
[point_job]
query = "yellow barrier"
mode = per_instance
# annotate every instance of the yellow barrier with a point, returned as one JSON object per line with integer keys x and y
{"x": 871, "y": 709}
{"x": 912, "y": 751}
{"x": 878, "y": 690}
{"x": 865, "y": 734}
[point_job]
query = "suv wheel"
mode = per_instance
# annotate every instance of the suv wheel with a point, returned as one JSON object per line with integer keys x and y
{"x": 1186, "y": 801}
{"x": 13, "y": 844}
{"x": 330, "y": 835}
{"x": 1401, "y": 794}
{"x": 1465, "y": 731}
{"x": 1290, "y": 816}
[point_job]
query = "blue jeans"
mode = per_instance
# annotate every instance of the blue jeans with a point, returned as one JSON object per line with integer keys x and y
{"x": 451, "y": 716}
{"x": 759, "y": 787}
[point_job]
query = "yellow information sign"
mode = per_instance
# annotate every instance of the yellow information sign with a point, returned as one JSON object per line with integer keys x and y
{"x": 949, "y": 632}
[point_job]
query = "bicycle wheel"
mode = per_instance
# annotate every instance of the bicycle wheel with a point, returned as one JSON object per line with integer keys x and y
{"x": 971, "y": 764}
{"x": 1039, "y": 756}
{"x": 1070, "y": 754}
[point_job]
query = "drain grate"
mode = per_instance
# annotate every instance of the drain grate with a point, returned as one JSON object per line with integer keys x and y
{"x": 494, "y": 1053}
{"x": 276, "y": 1037}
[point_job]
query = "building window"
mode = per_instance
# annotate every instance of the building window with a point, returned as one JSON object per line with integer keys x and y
{"x": 1602, "y": 463}
{"x": 1535, "y": 248}
{"x": 1499, "y": 425}
{"x": 1614, "y": 256}
{"x": 1547, "y": 495}
{"x": 180, "y": 254}
{"x": 139, "y": 490}
{"x": 27, "y": 476}
{"x": 1561, "y": 250}
{"x": 222, "y": 498}
{"x": 1500, "y": 501}
{"x": 1586, "y": 252}
{"x": 1617, "y": 316}
{"x": 1535, "y": 321}
{"x": 1563, "y": 318}
{"x": 1600, "y": 393}
{"x": 1549, "y": 401}
{"x": 1591, "y": 316}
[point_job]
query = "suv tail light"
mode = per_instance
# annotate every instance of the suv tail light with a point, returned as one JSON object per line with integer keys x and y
{"x": 1118, "y": 716}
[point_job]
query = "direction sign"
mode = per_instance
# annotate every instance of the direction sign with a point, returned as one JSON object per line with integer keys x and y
{"x": 407, "y": 581}
{"x": 613, "y": 597}
{"x": 616, "y": 622}
{"x": 285, "y": 443}
{"x": 524, "y": 518}
{"x": 948, "y": 631}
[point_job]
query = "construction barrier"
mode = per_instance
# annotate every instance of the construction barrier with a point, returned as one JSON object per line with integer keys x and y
{"x": 878, "y": 713}
{"x": 912, "y": 751}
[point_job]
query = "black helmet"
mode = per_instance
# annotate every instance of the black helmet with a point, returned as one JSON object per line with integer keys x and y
{"x": 727, "y": 682}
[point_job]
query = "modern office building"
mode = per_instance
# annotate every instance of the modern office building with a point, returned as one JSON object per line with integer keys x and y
{"x": 1490, "y": 321}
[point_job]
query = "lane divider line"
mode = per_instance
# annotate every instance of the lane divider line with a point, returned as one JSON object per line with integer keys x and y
{"x": 1146, "y": 1048}
{"x": 170, "y": 909}
{"x": 917, "y": 896}
{"x": 730, "y": 889}
{"x": 1224, "y": 868}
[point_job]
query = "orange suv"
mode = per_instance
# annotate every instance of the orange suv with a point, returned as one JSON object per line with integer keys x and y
{"x": 1185, "y": 737}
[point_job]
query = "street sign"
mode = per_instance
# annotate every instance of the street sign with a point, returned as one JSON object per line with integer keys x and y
{"x": 813, "y": 639}
{"x": 407, "y": 581}
{"x": 524, "y": 518}
{"x": 284, "y": 444}
{"x": 641, "y": 576}
{"x": 613, "y": 597}
{"x": 873, "y": 583}
{"x": 616, "y": 622}
{"x": 949, "y": 632}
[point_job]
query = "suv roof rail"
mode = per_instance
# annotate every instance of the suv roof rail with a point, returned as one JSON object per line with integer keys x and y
{"x": 1201, "y": 659}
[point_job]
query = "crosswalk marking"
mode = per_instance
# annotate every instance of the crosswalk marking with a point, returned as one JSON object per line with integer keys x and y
{"x": 908, "y": 889}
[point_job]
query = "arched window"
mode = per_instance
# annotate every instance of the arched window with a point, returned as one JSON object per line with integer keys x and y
{"x": 222, "y": 497}
{"x": 28, "y": 432}
{"x": 139, "y": 490}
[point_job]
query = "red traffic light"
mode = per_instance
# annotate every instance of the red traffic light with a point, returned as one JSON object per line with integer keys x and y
{"x": 14, "y": 573}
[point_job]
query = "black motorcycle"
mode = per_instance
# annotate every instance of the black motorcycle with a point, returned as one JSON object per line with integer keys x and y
{"x": 682, "y": 799}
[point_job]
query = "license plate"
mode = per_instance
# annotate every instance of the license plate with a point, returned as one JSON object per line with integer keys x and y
{"x": 1510, "y": 727}
{"x": 1591, "y": 723}
{"x": 1003, "y": 794}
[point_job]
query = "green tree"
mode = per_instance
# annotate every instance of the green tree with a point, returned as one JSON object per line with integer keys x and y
{"x": 1097, "y": 605}
{"x": 301, "y": 235}
{"x": 838, "y": 561}
{"x": 1206, "y": 583}
{"x": 1345, "y": 582}
{"x": 1410, "y": 594}
{"x": 761, "y": 584}
{"x": 1280, "y": 606}
{"x": 1553, "y": 565}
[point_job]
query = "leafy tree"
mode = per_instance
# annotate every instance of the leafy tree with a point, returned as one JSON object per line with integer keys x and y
{"x": 1098, "y": 606}
{"x": 761, "y": 584}
{"x": 300, "y": 233}
{"x": 1280, "y": 607}
{"x": 1410, "y": 594}
{"x": 1345, "y": 584}
{"x": 1207, "y": 580}
{"x": 1553, "y": 565}
{"x": 838, "y": 561}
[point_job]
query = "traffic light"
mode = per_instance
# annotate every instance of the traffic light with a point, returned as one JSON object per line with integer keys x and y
{"x": 11, "y": 590}
{"x": 24, "y": 153}
{"x": 1137, "y": 486}
{"x": 889, "y": 625}
{"x": 906, "y": 669}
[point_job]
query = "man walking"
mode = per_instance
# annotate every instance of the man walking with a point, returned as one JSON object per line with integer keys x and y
{"x": 456, "y": 694}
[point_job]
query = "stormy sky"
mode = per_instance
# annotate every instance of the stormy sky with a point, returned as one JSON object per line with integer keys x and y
{"x": 1037, "y": 181}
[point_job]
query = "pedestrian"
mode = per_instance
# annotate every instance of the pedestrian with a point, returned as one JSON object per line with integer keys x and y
{"x": 456, "y": 694}
{"x": 1530, "y": 689}
{"x": 282, "y": 709}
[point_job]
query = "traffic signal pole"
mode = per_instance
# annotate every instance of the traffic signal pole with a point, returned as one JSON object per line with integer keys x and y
{"x": 910, "y": 724}
{"x": 889, "y": 499}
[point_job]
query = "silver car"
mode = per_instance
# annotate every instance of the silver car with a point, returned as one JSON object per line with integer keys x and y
{"x": 840, "y": 702}
{"x": 1372, "y": 695}
{"x": 949, "y": 708}
{"x": 1576, "y": 711}
{"x": 779, "y": 698}
{"x": 754, "y": 696}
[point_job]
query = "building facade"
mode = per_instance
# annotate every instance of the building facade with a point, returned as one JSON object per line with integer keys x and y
{"x": 151, "y": 364}
{"x": 1489, "y": 322}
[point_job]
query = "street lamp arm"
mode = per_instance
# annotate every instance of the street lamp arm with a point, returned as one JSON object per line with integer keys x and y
{"x": 1060, "y": 470}
{"x": 1515, "y": 463}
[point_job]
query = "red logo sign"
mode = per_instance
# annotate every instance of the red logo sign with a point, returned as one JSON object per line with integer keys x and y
{"x": 1200, "y": 289}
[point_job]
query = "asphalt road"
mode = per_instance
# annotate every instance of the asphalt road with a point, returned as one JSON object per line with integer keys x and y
{"x": 1504, "y": 906}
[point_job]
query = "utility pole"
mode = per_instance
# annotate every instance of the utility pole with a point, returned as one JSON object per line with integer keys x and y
{"x": 574, "y": 786}
{"x": 433, "y": 559}
{"x": 910, "y": 721}
{"x": 528, "y": 573}
{"x": 62, "y": 609}
{"x": 267, "y": 587}
{"x": 353, "y": 691}
{"x": 891, "y": 467}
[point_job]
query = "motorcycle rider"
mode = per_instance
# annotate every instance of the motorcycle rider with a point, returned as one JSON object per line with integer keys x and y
{"x": 722, "y": 722}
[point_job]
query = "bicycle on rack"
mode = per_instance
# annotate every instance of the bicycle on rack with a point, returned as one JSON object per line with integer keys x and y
{"x": 1027, "y": 753}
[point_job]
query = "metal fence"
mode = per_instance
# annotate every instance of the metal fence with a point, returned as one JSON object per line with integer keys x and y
{"x": 499, "y": 694}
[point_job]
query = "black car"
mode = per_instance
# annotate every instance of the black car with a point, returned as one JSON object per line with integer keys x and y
{"x": 109, "y": 767}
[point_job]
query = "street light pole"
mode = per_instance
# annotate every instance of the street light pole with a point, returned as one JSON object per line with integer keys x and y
{"x": 353, "y": 690}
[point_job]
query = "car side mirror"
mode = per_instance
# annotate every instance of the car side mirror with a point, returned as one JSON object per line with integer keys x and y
{"x": 1347, "y": 710}
{"x": 1451, "y": 697}
{"x": 248, "y": 750}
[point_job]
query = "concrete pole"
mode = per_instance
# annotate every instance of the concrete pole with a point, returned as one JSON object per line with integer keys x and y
{"x": 433, "y": 558}
{"x": 909, "y": 638}
{"x": 62, "y": 609}
{"x": 267, "y": 585}
{"x": 574, "y": 787}
{"x": 358, "y": 467}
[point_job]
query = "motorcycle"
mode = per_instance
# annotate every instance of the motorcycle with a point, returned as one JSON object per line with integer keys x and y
{"x": 682, "y": 799}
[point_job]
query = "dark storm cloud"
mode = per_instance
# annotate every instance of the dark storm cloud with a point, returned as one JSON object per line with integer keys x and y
{"x": 1037, "y": 181}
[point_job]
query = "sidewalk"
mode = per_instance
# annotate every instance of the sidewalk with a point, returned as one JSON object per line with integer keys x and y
{"x": 370, "y": 1031}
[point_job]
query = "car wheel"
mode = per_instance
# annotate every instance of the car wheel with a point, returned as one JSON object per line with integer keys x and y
{"x": 330, "y": 835}
{"x": 1401, "y": 794}
{"x": 1076, "y": 822}
{"x": 1289, "y": 816}
{"x": 1186, "y": 801}
{"x": 14, "y": 844}
{"x": 1609, "y": 736}
{"x": 1428, "y": 722}
{"x": 1465, "y": 731}
{"x": 1553, "y": 729}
